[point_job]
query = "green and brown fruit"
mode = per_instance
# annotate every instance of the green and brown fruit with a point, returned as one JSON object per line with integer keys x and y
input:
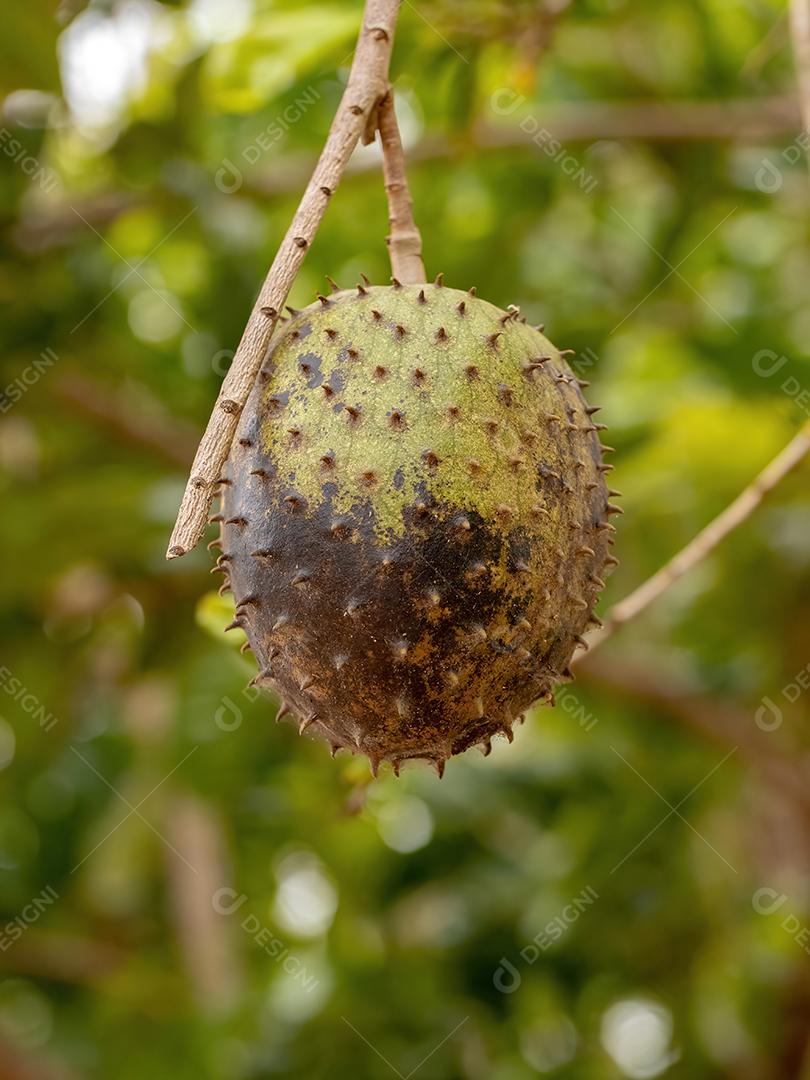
{"x": 414, "y": 520}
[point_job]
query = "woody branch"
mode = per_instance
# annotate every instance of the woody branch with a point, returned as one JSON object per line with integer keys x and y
{"x": 356, "y": 118}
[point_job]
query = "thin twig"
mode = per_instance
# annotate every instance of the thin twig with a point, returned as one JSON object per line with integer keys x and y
{"x": 405, "y": 240}
{"x": 707, "y": 540}
{"x": 355, "y": 118}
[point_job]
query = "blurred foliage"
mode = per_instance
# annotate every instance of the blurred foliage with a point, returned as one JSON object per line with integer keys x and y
{"x": 152, "y": 155}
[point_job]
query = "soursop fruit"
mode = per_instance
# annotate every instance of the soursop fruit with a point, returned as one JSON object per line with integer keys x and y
{"x": 414, "y": 520}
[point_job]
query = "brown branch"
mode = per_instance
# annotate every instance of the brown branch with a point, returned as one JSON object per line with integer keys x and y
{"x": 405, "y": 240}
{"x": 355, "y": 118}
{"x": 706, "y": 540}
{"x": 69, "y": 958}
{"x": 208, "y": 951}
{"x": 779, "y": 832}
{"x": 133, "y": 416}
{"x": 42, "y": 228}
{"x": 17, "y": 1062}
{"x": 673, "y": 120}
{"x": 800, "y": 33}
{"x": 727, "y": 724}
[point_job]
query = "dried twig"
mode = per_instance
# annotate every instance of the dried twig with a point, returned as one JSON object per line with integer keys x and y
{"x": 706, "y": 540}
{"x": 355, "y": 118}
{"x": 405, "y": 241}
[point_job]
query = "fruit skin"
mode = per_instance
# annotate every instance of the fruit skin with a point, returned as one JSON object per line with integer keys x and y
{"x": 415, "y": 520}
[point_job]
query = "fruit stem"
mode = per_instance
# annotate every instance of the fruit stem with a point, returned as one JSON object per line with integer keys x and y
{"x": 355, "y": 119}
{"x": 405, "y": 240}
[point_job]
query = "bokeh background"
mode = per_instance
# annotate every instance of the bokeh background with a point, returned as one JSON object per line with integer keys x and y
{"x": 189, "y": 889}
